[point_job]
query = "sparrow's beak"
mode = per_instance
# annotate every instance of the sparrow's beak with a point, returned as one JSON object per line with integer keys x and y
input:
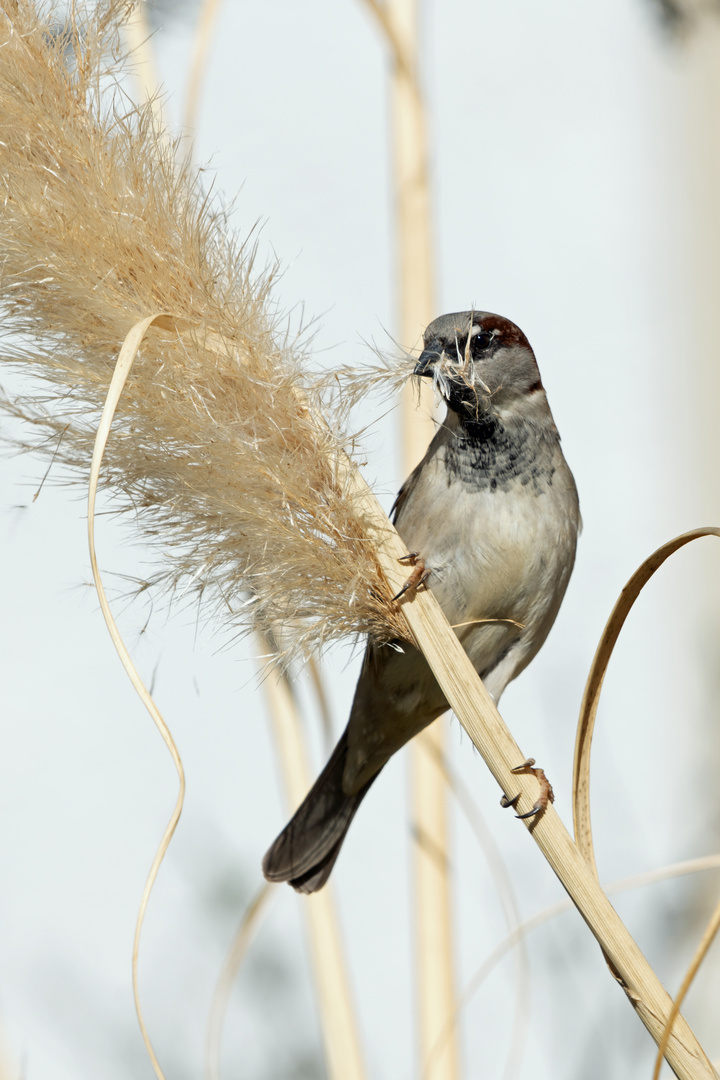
{"x": 428, "y": 359}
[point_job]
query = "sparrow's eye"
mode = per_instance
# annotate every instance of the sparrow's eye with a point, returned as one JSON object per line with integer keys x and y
{"x": 482, "y": 340}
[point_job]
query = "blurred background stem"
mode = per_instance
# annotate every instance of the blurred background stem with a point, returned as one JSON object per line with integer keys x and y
{"x": 343, "y": 1054}
{"x": 415, "y": 309}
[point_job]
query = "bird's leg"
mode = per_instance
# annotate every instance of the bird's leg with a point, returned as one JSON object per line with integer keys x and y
{"x": 546, "y": 792}
{"x": 418, "y": 576}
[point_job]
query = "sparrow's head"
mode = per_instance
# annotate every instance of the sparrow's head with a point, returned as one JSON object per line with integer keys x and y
{"x": 478, "y": 361}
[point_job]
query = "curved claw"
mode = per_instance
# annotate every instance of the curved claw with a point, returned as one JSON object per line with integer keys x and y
{"x": 418, "y": 576}
{"x": 546, "y": 795}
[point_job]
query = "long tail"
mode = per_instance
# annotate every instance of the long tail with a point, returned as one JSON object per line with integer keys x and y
{"x": 305, "y": 851}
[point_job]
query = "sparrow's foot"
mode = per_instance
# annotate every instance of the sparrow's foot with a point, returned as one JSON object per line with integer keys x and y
{"x": 546, "y": 792}
{"x": 418, "y": 576}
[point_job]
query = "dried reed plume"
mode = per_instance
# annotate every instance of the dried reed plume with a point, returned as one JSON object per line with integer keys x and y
{"x": 216, "y": 441}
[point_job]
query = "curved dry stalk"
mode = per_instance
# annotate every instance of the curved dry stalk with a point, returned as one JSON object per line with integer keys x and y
{"x": 125, "y": 361}
{"x": 596, "y": 677}
{"x": 228, "y": 974}
{"x": 700, "y": 954}
{"x": 583, "y": 744}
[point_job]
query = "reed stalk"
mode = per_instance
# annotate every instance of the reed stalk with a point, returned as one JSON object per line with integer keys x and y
{"x": 434, "y": 954}
{"x": 416, "y": 308}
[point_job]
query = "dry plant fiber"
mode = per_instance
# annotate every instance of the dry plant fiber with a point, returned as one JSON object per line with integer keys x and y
{"x": 235, "y": 480}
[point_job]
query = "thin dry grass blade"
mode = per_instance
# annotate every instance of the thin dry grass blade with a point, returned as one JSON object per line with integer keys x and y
{"x": 700, "y": 954}
{"x": 125, "y": 361}
{"x": 518, "y": 935}
{"x": 596, "y": 677}
{"x": 228, "y": 974}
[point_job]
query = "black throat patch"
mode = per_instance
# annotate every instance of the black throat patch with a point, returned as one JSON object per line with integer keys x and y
{"x": 484, "y": 454}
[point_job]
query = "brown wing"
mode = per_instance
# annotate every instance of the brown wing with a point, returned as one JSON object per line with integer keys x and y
{"x": 402, "y": 495}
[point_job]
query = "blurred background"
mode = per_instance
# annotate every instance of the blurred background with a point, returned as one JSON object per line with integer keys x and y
{"x": 574, "y": 156}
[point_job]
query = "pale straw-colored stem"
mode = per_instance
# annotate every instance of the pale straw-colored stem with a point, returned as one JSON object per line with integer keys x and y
{"x": 237, "y": 952}
{"x": 700, "y": 954}
{"x": 321, "y": 700}
{"x": 506, "y": 894}
{"x": 433, "y": 907}
{"x": 123, "y": 367}
{"x": 204, "y": 31}
{"x": 415, "y": 299}
{"x": 142, "y": 58}
{"x": 337, "y": 1015}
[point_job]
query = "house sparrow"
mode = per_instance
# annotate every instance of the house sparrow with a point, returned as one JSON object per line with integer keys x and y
{"x": 492, "y": 511}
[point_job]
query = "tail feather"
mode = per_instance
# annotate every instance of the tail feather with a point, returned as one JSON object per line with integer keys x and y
{"x": 305, "y": 851}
